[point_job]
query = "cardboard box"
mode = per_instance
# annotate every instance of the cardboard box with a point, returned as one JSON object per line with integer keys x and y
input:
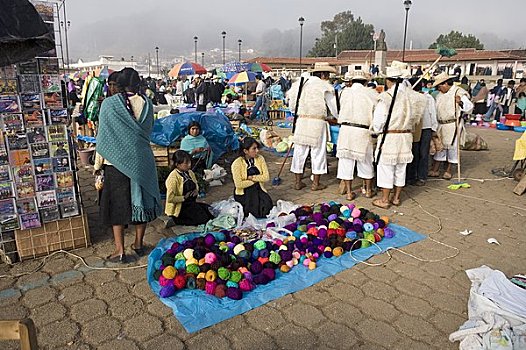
{"x": 66, "y": 234}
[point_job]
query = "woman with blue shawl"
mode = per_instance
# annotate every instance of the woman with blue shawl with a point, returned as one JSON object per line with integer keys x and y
{"x": 130, "y": 194}
{"x": 196, "y": 145}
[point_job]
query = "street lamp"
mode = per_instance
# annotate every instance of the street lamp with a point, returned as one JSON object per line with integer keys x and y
{"x": 203, "y": 59}
{"x": 157, "y": 53}
{"x": 407, "y": 6}
{"x": 195, "y": 48}
{"x": 223, "y": 33}
{"x": 239, "y": 41}
{"x": 301, "y": 20}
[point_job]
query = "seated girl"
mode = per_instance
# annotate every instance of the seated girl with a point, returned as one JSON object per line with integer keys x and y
{"x": 250, "y": 172}
{"x": 181, "y": 194}
{"x": 196, "y": 145}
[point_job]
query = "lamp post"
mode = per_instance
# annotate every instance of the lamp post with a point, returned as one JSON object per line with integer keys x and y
{"x": 223, "y": 34}
{"x": 195, "y": 48}
{"x": 407, "y": 6}
{"x": 66, "y": 25}
{"x": 157, "y": 54}
{"x": 203, "y": 59}
{"x": 239, "y": 41}
{"x": 301, "y": 20}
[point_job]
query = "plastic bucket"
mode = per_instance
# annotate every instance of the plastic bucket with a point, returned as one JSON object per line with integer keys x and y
{"x": 85, "y": 155}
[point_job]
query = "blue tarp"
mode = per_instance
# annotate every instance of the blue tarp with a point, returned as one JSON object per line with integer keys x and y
{"x": 197, "y": 310}
{"x": 216, "y": 128}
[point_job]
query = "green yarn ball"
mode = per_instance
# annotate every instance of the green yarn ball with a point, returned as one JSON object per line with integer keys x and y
{"x": 224, "y": 273}
{"x": 193, "y": 269}
{"x": 274, "y": 257}
{"x": 180, "y": 256}
{"x": 236, "y": 276}
{"x": 260, "y": 244}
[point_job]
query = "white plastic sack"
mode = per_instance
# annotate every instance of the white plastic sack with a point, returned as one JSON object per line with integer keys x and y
{"x": 214, "y": 173}
{"x": 228, "y": 207}
{"x": 272, "y": 233}
{"x": 281, "y": 207}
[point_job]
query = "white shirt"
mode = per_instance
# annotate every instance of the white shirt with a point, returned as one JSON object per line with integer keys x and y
{"x": 260, "y": 88}
{"x": 429, "y": 120}
{"x": 330, "y": 101}
{"x": 380, "y": 112}
{"x": 467, "y": 105}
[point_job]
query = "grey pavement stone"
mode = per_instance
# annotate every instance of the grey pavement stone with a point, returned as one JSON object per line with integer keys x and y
{"x": 118, "y": 344}
{"x": 335, "y": 335}
{"x": 413, "y": 306}
{"x": 265, "y": 318}
{"x": 343, "y": 312}
{"x": 76, "y": 293}
{"x": 448, "y": 303}
{"x": 304, "y": 315}
{"x": 125, "y": 307}
{"x": 48, "y": 313}
{"x": 379, "y": 310}
{"x": 58, "y": 264}
{"x": 58, "y": 334}
{"x": 172, "y": 326}
{"x": 132, "y": 276}
{"x": 380, "y": 290}
{"x": 99, "y": 277}
{"x": 33, "y": 280}
{"x": 346, "y": 291}
{"x": 249, "y": 338}
{"x": 164, "y": 342}
{"x": 142, "y": 290}
{"x": 208, "y": 340}
{"x": 315, "y": 295}
{"x": 101, "y": 329}
{"x": 416, "y": 328}
{"x": 88, "y": 310}
{"x": 411, "y": 287}
{"x": 13, "y": 311}
{"x": 446, "y": 322}
{"x": 295, "y": 337}
{"x": 157, "y": 308}
{"x": 66, "y": 279}
{"x": 39, "y": 296}
{"x": 377, "y": 332}
{"x": 282, "y": 302}
{"x": 111, "y": 290}
{"x": 143, "y": 327}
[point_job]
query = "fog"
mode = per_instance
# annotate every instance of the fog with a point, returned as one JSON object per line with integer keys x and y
{"x": 270, "y": 28}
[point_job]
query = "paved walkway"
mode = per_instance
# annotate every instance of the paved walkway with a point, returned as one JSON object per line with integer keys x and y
{"x": 402, "y": 304}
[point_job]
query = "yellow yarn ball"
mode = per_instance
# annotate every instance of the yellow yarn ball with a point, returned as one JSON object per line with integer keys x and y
{"x": 284, "y": 268}
{"x": 312, "y": 265}
{"x": 188, "y": 253}
{"x": 169, "y": 272}
{"x": 338, "y": 251}
{"x": 192, "y": 261}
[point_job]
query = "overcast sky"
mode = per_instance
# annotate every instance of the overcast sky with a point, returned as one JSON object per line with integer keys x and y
{"x": 134, "y": 27}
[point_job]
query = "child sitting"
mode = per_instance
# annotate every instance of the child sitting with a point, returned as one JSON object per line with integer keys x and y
{"x": 181, "y": 194}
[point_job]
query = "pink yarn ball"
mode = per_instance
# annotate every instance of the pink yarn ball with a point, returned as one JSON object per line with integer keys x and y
{"x": 210, "y": 258}
{"x": 355, "y": 213}
{"x": 278, "y": 242}
{"x": 246, "y": 285}
{"x": 210, "y": 287}
{"x": 306, "y": 262}
{"x": 290, "y": 263}
{"x": 163, "y": 281}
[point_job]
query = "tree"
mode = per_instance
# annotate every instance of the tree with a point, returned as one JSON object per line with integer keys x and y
{"x": 350, "y": 34}
{"x": 457, "y": 40}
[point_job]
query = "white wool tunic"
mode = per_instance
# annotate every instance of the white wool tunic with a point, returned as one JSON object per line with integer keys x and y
{"x": 356, "y": 106}
{"x": 316, "y": 96}
{"x": 397, "y": 146}
{"x": 448, "y": 111}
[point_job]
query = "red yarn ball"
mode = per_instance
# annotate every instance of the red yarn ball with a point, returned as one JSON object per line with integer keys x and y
{"x": 179, "y": 282}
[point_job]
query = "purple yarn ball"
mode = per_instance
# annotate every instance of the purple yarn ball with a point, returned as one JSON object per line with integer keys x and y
{"x": 256, "y": 267}
{"x": 260, "y": 279}
{"x": 167, "y": 291}
{"x": 357, "y": 228}
{"x": 235, "y": 239}
{"x": 376, "y": 226}
{"x": 271, "y": 224}
{"x": 246, "y": 285}
{"x": 327, "y": 254}
{"x": 291, "y": 227}
{"x": 270, "y": 273}
{"x": 381, "y": 223}
{"x": 285, "y": 255}
{"x": 388, "y": 233}
{"x": 234, "y": 293}
{"x": 264, "y": 253}
{"x": 332, "y": 217}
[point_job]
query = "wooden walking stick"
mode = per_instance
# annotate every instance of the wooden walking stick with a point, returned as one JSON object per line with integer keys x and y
{"x": 443, "y": 52}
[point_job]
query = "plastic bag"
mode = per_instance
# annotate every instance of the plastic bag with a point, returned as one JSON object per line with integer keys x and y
{"x": 273, "y": 233}
{"x": 228, "y": 207}
{"x": 282, "y": 207}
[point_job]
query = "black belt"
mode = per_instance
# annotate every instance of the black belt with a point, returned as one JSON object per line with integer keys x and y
{"x": 448, "y": 121}
{"x": 363, "y": 126}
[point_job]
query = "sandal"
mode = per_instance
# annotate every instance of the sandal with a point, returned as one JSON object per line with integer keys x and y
{"x": 299, "y": 185}
{"x": 319, "y": 187}
{"x": 433, "y": 173}
{"x": 139, "y": 251}
{"x": 352, "y": 195}
{"x": 396, "y": 203}
{"x": 447, "y": 176}
{"x": 381, "y": 204}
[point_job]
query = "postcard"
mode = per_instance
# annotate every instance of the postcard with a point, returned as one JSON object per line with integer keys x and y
{"x": 8, "y": 72}
{"x": 58, "y": 116}
{"x": 50, "y": 83}
{"x": 53, "y": 100}
{"x": 48, "y": 65}
{"x": 33, "y": 118}
{"x": 64, "y": 179}
{"x": 26, "y": 205}
{"x": 69, "y": 210}
{"x": 8, "y": 87}
{"x": 17, "y": 141}
{"x": 45, "y": 183}
{"x": 39, "y": 150}
{"x": 29, "y": 83}
{"x": 19, "y": 157}
{"x": 9, "y": 104}
{"x": 25, "y": 189}
{"x": 8, "y": 217}
{"x": 57, "y": 133}
{"x": 13, "y": 122}
{"x": 6, "y": 190}
{"x": 49, "y": 214}
{"x": 36, "y": 134}
{"x": 60, "y": 164}
{"x": 31, "y": 101}
{"x": 28, "y": 67}
{"x": 59, "y": 149}
{"x": 46, "y": 199}
{"x": 23, "y": 173}
{"x": 28, "y": 221}
{"x": 65, "y": 195}
{"x": 43, "y": 166}
{"x": 5, "y": 173}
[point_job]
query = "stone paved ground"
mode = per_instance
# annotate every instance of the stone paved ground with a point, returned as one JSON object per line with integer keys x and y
{"x": 402, "y": 304}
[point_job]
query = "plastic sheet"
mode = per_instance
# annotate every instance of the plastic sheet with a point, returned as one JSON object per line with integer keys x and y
{"x": 216, "y": 128}
{"x": 197, "y": 310}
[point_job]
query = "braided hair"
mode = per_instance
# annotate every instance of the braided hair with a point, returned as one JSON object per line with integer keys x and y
{"x": 130, "y": 81}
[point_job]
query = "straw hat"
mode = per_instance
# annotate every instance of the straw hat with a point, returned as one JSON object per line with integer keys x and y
{"x": 397, "y": 70}
{"x": 323, "y": 67}
{"x": 442, "y": 77}
{"x": 358, "y": 75}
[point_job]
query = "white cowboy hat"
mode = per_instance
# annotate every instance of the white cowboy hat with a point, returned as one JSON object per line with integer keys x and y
{"x": 323, "y": 67}
{"x": 357, "y": 75}
{"x": 442, "y": 77}
{"x": 397, "y": 70}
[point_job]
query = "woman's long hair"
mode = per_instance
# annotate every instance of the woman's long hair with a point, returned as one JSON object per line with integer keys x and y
{"x": 246, "y": 144}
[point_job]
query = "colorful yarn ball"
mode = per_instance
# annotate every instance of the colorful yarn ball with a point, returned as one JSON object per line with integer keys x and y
{"x": 211, "y": 276}
{"x": 232, "y": 284}
{"x": 200, "y": 283}
{"x": 157, "y": 264}
{"x": 167, "y": 291}
{"x": 291, "y": 263}
{"x": 180, "y": 256}
{"x": 192, "y": 261}
{"x": 193, "y": 269}
{"x": 312, "y": 265}
{"x": 262, "y": 260}
{"x": 180, "y": 264}
{"x": 380, "y": 231}
{"x": 291, "y": 227}
{"x": 223, "y": 273}
{"x": 169, "y": 272}
{"x": 305, "y": 261}
{"x": 270, "y": 273}
{"x": 388, "y": 233}
{"x": 332, "y": 217}
{"x": 284, "y": 268}
{"x": 167, "y": 260}
{"x": 220, "y": 291}
{"x": 365, "y": 243}
{"x": 239, "y": 248}
{"x": 385, "y": 219}
{"x": 260, "y": 244}
{"x": 210, "y": 258}
{"x": 333, "y": 225}
{"x": 234, "y": 293}
{"x": 377, "y": 237}
{"x": 209, "y": 240}
{"x": 188, "y": 253}
{"x": 210, "y": 287}
{"x": 264, "y": 253}
{"x": 179, "y": 282}
{"x": 368, "y": 227}
{"x": 163, "y": 281}
{"x": 246, "y": 285}
{"x": 190, "y": 281}
{"x": 338, "y": 251}
{"x": 275, "y": 258}
{"x": 199, "y": 253}
{"x": 255, "y": 253}
{"x": 328, "y": 254}
{"x": 355, "y": 213}
{"x": 157, "y": 274}
{"x": 271, "y": 224}
{"x": 260, "y": 279}
{"x": 236, "y": 276}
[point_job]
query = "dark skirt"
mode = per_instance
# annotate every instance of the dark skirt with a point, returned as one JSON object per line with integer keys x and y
{"x": 115, "y": 198}
{"x": 480, "y": 108}
{"x": 255, "y": 201}
{"x": 193, "y": 214}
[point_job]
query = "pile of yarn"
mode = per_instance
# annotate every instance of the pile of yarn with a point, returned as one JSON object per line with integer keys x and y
{"x": 223, "y": 265}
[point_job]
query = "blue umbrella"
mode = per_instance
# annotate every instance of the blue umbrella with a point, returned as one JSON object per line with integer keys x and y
{"x": 233, "y": 66}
